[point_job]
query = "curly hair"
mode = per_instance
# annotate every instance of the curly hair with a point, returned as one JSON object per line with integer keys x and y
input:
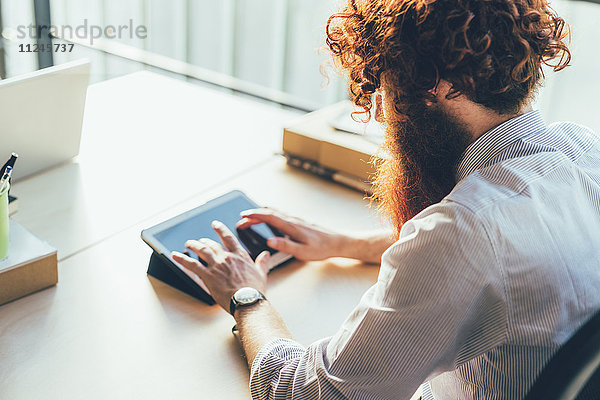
{"x": 491, "y": 51}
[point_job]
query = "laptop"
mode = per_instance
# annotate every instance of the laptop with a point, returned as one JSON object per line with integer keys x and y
{"x": 41, "y": 115}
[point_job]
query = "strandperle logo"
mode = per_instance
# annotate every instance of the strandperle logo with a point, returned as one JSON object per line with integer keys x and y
{"x": 85, "y": 31}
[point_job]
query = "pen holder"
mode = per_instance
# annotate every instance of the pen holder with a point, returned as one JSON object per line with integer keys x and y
{"x": 4, "y": 222}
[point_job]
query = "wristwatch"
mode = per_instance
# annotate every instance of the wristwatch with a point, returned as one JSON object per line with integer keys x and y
{"x": 244, "y": 297}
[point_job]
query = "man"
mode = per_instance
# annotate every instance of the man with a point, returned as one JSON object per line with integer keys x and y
{"x": 495, "y": 261}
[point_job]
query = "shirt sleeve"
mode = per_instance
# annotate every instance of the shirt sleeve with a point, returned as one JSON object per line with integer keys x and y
{"x": 439, "y": 301}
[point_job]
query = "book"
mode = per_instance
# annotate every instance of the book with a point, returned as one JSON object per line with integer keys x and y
{"x": 327, "y": 173}
{"x": 13, "y": 205}
{"x": 31, "y": 265}
{"x": 313, "y": 138}
{"x": 372, "y": 130}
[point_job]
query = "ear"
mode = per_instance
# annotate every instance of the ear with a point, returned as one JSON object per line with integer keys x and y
{"x": 378, "y": 107}
{"x": 443, "y": 88}
{"x": 435, "y": 93}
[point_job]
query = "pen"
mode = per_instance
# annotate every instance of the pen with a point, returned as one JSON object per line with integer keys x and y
{"x": 10, "y": 163}
{"x": 5, "y": 178}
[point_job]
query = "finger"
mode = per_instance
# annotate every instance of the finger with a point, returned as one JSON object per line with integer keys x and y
{"x": 272, "y": 218}
{"x": 229, "y": 240}
{"x": 189, "y": 263}
{"x": 217, "y": 248}
{"x": 245, "y": 223}
{"x": 286, "y": 245}
{"x": 262, "y": 261}
{"x": 202, "y": 250}
{"x": 262, "y": 211}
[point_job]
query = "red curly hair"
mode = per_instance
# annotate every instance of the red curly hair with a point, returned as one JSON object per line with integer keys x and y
{"x": 491, "y": 51}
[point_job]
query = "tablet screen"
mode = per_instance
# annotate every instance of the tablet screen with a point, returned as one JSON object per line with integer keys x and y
{"x": 199, "y": 226}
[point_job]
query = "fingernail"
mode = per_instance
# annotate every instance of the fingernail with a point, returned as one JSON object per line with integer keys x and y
{"x": 189, "y": 243}
{"x": 217, "y": 224}
{"x": 272, "y": 242}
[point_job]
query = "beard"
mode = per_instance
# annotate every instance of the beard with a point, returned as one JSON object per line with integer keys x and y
{"x": 425, "y": 149}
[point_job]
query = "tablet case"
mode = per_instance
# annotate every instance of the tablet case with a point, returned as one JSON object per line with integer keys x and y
{"x": 160, "y": 269}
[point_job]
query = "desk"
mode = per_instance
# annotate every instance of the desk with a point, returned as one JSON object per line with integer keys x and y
{"x": 143, "y": 134}
{"x": 107, "y": 331}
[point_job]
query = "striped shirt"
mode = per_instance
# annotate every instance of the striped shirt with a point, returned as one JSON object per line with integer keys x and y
{"x": 479, "y": 291}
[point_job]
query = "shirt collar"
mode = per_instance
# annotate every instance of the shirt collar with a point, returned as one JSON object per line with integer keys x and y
{"x": 489, "y": 145}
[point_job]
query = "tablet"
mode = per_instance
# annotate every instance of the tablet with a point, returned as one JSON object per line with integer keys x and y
{"x": 172, "y": 234}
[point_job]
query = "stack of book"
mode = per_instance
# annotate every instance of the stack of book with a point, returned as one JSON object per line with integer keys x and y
{"x": 31, "y": 265}
{"x": 330, "y": 144}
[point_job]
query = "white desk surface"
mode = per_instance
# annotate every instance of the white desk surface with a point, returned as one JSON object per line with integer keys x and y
{"x": 148, "y": 143}
{"x": 107, "y": 330}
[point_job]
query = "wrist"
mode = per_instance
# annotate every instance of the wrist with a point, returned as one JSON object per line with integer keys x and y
{"x": 241, "y": 313}
{"x": 349, "y": 246}
{"x": 367, "y": 248}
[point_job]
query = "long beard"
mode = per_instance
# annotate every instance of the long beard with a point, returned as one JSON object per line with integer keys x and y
{"x": 425, "y": 149}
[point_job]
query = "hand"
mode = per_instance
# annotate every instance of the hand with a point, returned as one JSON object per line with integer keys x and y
{"x": 306, "y": 241}
{"x": 226, "y": 270}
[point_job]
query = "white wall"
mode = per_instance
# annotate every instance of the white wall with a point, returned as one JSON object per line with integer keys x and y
{"x": 276, "y": 43}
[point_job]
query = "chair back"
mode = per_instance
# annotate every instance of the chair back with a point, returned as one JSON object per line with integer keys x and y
{"x": 573, "y": 373}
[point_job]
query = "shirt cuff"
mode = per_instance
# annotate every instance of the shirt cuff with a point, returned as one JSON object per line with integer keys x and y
{"x": 269, "y": 361}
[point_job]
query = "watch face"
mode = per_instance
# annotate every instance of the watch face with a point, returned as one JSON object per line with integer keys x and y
{"x": 246, "y": 295}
